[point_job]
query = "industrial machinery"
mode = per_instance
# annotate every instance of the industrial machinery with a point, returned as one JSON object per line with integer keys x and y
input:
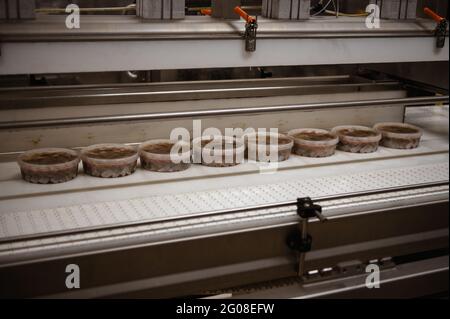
{"x": 312, "y": 228}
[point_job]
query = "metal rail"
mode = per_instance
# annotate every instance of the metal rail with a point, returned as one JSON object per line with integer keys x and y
{"x": 202, "y": 84}
{"x": 221, "y": 112}
{"x": 216, "y": 213}
{"x": 127, "y": 27}
{"x": 104, "y": 10}
{"x": 158, "y": 93}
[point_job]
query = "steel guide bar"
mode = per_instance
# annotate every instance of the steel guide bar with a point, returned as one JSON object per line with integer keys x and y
{"x": 220, "y": 112}
{"x": 140, "y": 96}
{"x": 219, "y": 212}
{"x": 301, "y": 79}
{"x": 175, "y": 86}
{"x": 46, "y": 29}
{"x": 209, "y": 36}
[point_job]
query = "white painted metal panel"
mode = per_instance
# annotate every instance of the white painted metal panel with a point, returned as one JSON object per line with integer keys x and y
{"x": 59, "y": 57}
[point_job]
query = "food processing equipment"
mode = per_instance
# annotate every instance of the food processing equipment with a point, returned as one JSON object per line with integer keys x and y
{"x": 308, "y": 229}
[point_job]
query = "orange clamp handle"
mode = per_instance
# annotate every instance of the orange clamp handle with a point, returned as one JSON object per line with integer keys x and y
{"x": 244, "y": 15}
{"x": 206, "y": 12}
{"x": 433, "y": 15}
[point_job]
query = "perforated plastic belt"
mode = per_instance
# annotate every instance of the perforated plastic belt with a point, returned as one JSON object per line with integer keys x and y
{"x": 18, "y": 224}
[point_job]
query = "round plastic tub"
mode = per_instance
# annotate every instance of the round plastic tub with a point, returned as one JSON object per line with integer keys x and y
{"x": 218, "y": 151}
{"x": 49, "y": 165}
{"x": 357, "y": 139}
{"x": 311, "y": 142}
{"x": 399, "y": 135}
{"x": 261, "y": 148}
{"x": 156, "y": 156}
{"x": 109, "y": 160}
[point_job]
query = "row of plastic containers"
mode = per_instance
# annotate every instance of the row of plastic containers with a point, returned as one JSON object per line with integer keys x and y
{"x": 57, "y": 165}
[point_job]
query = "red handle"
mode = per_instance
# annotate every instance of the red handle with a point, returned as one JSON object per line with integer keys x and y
{"x": 244, "y": 15}
{"x": 206, "y": 12}
{"x": 433, "y": 15}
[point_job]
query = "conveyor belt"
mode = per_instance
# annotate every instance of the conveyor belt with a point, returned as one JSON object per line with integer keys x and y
{"x": 159, "y": 207}
{"x": 108, "y": 213}
{"x": 85, "y": 203}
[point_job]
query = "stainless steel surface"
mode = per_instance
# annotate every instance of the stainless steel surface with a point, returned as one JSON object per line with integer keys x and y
{"x": 160, "y": 9}
{"x": 84, "y": 135}
{"x": 220, "y": 112}
{"x": 182, "y": 91}
{"x": 15, "y": 10}
{"x": 302, "y": 255}
{"x": 336, "y": 77}
{"x": 286, "y": 9}
{"x": 229, "y": 264}
{"x": 427, "y": 73}
{"x": 421, "y": 278}
{"x": 397, "y": 9}
{"x": 103, "y": 44}
{"x": 51, "y": 28}
{"x": 225, "y": 9}
{"x": 321, "y": 217}
{"x": 150, "y": 235}
{"x": 91, "y": 9}
{"x": 113, "y": 55}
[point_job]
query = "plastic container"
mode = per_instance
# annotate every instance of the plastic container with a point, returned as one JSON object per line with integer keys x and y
{"x": 399, "y": 135}
{"x": 156, "y": 156}
{"x": 109, "y": 160}
{"x": 49, "y": 165}
{"x": 259, "y": 147}
{"x": 218, "y": 151}
{"x": 311, "y": 142}
{"x": 357, "y": 139}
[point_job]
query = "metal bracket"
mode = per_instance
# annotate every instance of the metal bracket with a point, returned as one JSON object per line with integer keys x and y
{"x": 441, "y": 33}
{"x": 250, "y": 36}
{"x": 297, "y": 243}
{"x": 301, "y": 241}
{"x": 251, "y": 27}
{"x": 306, "y": 208}
{"x": 441, "y": 29}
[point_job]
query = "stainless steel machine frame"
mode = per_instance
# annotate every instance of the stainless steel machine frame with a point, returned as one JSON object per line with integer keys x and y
{"x": 233, "y": 232}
